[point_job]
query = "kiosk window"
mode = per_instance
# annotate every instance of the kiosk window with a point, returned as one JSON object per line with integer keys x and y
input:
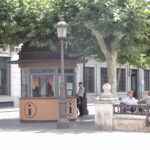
{"x": 42, "y": 85}
{"x": 69, "y": 85}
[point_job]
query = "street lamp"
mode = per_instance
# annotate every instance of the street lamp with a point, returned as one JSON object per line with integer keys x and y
{"x": 62, "y": 34}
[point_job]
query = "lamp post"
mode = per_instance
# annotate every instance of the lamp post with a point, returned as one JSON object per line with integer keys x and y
{"x": 62, "y": 34}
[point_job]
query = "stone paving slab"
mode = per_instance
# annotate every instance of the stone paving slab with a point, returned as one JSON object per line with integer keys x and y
{"x": 15, "y": 135}
{"x": 9, "y": 121}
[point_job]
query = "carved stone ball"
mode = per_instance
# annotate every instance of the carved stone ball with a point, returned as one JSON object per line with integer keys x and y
{"x": 107, "y": 88}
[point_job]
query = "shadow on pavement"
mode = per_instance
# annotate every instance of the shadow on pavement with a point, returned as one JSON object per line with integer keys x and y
{"x": 84, "y": 124}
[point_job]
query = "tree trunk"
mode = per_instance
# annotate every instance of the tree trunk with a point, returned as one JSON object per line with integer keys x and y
{"x": 110, "y": 56}
{"x": 118, "y": 76}
{"x": 111, "y": 60}
{"x": 84, "y": 104}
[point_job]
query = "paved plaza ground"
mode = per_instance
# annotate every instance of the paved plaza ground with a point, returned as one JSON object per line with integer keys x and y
{"x": 81, "y": 134}
{"x": 9, "y": 120}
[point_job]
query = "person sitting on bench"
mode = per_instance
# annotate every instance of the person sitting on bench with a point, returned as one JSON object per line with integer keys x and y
{"x": 129, "y": 102}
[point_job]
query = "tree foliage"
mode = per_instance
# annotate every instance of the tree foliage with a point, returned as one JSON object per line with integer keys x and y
{"x": 119, "y": 26}
{"x": 121, "y": 23}
{"x": 115, "y": 30}
{"x": 33, "y": 22}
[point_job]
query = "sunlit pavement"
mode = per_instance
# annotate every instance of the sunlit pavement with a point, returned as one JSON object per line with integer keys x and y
{"x": 81, "y": 134}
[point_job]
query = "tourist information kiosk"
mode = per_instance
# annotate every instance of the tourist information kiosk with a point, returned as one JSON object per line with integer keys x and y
{"x": 40, "y": 85}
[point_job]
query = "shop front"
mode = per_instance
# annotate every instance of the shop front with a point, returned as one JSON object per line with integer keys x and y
{"x": 41, "y": 86}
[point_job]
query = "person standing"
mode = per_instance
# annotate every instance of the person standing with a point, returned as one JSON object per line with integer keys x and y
{"x": 80, "y": 96}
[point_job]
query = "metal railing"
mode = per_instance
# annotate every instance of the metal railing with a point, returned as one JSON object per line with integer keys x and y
{"x": 140, "y": 109}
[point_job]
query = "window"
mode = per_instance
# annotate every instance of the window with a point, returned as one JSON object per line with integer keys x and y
{"x": 4, "y": 76}
{"x": 45, "y": 71}
{"x": 3, "y": 81}
{"x": 42, "y": 85}
{"x": 89, "y": 79}
{"x": 146, "y": 79}
{"x": 46, "y": 85}
{"x": 66, "y": 70}
{"x": 121, "y": 80}
{"x": 70, "y": 87}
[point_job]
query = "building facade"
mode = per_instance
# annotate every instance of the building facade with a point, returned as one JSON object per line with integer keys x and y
{"x": 10, "y": 90}
{"x": 128, "y": 78}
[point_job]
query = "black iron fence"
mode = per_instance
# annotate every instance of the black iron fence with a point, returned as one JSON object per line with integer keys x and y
{"x": 140, "y": 109}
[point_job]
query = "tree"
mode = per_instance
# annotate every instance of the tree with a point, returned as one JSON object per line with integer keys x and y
{"x": 118, "y": 26}
{"x": 6, "y": 23}
{"x": 27, "y": 21}
{"x": 115, "y": 30}
{"x": 32, "y": 22}
{"x": 140, "y": 59}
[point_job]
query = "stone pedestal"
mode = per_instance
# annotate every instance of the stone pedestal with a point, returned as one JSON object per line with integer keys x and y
{"x": 104, "y": 114}
{"x": 104, "y": 109}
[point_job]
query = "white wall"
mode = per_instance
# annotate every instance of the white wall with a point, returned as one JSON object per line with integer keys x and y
{"x": 15, "y": 79}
